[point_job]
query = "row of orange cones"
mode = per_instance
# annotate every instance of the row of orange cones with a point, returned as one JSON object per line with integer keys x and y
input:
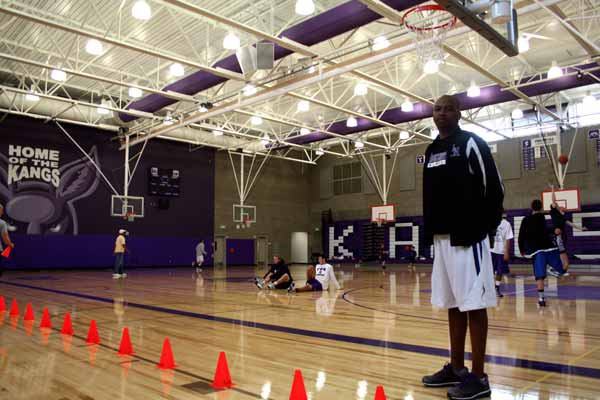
{"x": 221, "y": 380}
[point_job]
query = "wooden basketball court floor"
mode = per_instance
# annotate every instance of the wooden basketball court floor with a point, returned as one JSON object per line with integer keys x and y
{"x": 377, "y": 330}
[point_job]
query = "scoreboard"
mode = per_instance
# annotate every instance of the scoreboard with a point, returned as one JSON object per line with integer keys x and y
{"x": 164, "y": 182}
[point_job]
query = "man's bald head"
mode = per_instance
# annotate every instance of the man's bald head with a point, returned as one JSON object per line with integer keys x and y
{"x": 446, "y": 114}
{"x": 449, "y": 99}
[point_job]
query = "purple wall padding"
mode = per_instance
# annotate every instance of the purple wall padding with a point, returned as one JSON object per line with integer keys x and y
{"x": 240, "y": 251}
{"x": 95, "y": 251}
{"x": 319, "y": 28}
{"x": 353, "y": 242}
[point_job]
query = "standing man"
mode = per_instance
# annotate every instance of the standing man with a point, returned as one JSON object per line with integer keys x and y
{"x": 120, "y": 247}
{"x": 462, "y": 206}
{"x": 535, "y": 242}
{"x": 200, "y": 255}
{"x": 5, "y": 237}
{"x": 501, "y": 252}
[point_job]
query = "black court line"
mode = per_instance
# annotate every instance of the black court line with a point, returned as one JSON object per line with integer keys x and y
{"x": 412, "y": 348}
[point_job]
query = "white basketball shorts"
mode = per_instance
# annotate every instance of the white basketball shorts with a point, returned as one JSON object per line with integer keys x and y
{"x": 199, "y": 260}
{"x": 462, "y": 276}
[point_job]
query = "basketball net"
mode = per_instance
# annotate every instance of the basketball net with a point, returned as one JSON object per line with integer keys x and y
{"x": 129, "y": 216}
{"x": 379, "y": 223}
{"x": 430, "y": 24}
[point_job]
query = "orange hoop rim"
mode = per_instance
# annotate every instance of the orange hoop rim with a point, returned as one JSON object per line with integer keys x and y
{"x": 428, "y": 7}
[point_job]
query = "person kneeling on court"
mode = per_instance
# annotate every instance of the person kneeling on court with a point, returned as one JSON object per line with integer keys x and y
{"x": 318, "y": 278}
{"x": 278, "y": 277}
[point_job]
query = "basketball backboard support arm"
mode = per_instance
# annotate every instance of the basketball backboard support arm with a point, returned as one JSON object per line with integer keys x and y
{"x": 508, "y": 44}
{"x": 245, "y": 180}
{"x": 64, "y": 131}
{"x": 381, "y": 182}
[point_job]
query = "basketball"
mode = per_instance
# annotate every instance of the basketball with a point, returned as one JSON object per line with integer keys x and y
{"x": 563, "y": 159}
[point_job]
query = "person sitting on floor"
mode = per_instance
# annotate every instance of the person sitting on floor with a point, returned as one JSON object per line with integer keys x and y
{"x": 278, "y": 276}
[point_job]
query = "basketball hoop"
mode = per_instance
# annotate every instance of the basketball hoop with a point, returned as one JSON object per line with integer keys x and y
{"x": 129, "y": 217}
{"x": 430, "y": 24}
{"x": 246, "y": 223}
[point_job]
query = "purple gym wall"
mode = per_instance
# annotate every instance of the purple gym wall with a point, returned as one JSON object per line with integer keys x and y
{"x": 58, "y": 207}
{"x": 347, "y": 237}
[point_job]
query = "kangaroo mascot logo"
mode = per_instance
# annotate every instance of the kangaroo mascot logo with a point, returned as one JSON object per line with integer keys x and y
{"x": 42, "y": 201}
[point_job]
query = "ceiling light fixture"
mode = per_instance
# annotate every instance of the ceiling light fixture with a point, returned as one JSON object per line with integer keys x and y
{"x": 135, "y": 92}
{"x": 249, "y": 90}
{"x": 305, "y": 7}
{"x": 380, "y": 43}
{"x": 351, "y": 122}
{"x": 407, "y": 106}
{"x": 256, "y": 120}
{"x": 141, "y": 10}
{"x": 555, "y": 71}
{"x": 58, "y": 75}
{"x": 231, "y": 41}
{"x": 303, "y": 106}
{"x": 32, "y": 96}
{"x": 473, "y": 90}
{"x": 517, "y": 113}
{"x": 176, "y": 70}
{"x": 361, "y": 89}
{"x": 94, "y": 47}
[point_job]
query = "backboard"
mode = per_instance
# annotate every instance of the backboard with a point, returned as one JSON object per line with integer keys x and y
{"x": 567, "y": 198}
{"x": 384, "y": 213}
{"x": 244, "y": 215}
{"x": 128, "y": 207}
{"x": 496, "y": 21}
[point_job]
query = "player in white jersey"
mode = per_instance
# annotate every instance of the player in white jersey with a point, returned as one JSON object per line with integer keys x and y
{"x": 325, "y": 274}
{"x": 501, "y": 252}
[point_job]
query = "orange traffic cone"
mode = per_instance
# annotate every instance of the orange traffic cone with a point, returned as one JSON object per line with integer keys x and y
{"x": 379, "y": 393}
{"x": 14, "y": 308}
{"x": 166, "y": 357}
{"x": 66, "y": 341}
{"x": 67, "y": 328}
{"x": 28, "y": 326}
{"x": 45, "y": 335}
{"x": 93, "y": 337}
{"x": 6, "y": 252}
{"x": 46, "y": 323}
{"x": 125, "y": 349}
{"x": 2, "y": 304}
{"x": 222, "y": 379}
{"x": 298, "y": 390}
{"x": 29, "y": 316}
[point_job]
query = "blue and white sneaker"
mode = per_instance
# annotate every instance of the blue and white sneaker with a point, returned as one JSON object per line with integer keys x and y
{"x": 259, "y": 283}
{"x": 554, "y": 273}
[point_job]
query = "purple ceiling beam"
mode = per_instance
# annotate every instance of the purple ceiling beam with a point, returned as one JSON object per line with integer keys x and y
{"x": 490, "y": 95}
{"x": 327, "y": 25}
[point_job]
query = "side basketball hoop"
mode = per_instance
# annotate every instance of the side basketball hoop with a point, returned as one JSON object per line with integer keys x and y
{"x": 430, "y": 23}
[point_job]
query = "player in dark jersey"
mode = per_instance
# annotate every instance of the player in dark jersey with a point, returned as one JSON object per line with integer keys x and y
{"x": 278, "y": 276}
{"x": 535, "y": 242}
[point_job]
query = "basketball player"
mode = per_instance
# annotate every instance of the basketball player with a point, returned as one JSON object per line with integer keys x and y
{"x": 312, "y": 284}
{"x": 324, "y": 274}
{"x": 501, "y": 252}
{"x": 462, "y": 205}
{"x": 4, "y": 234}
{"x": 411, "y": 258}
{"x": 535, "y": 242}
{"x": 120, "y": 247}
{"x": 557, "y": 214}
{"x": 382, "y": 255}
{"x": 200, "y": 255}
{"x": 278, "y": 277}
